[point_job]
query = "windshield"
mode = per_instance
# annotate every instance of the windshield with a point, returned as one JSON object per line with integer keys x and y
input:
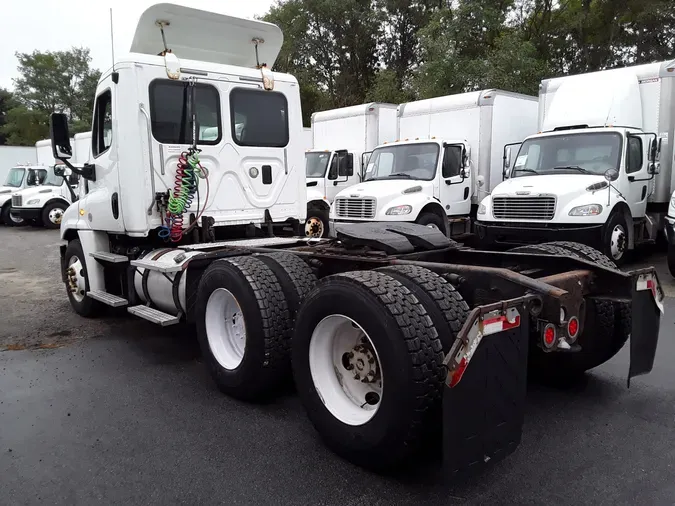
{"x": 316, "y": 163}
{"x": 52, "y": 179}
{"x": 15, "y": 177}
{"x": 588, "y": 153}
{"x": 403, "y": 161}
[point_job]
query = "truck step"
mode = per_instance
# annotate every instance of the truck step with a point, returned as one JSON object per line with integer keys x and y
{"x": 153, "y": 265}
{"x": 153, "y": 315}
{"x": 112, "y": 258}
{"x": 107, "y": 298}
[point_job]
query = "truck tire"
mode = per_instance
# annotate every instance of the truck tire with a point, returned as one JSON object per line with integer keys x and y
{"x": 671, "y": 259}
{"x": 9, "y": 220}
{"x": 83, "y": 305}
{"x": 432, "y": 220}
{"x": 295, "y": 277}
{"x": 443, "y": 302}
{"x": 366, "y": 323}
{"x": 243, "y": 327}
{"x": 52, "y": 213}
{"x": 615, "y": 239}
{"x": 317, "y": 223}
{"x": 607, "y": 324}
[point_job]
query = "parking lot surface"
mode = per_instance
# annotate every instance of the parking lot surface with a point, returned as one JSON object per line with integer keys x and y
{"x": 116, "y": 410}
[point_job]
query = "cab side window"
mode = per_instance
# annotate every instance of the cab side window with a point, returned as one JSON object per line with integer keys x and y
{"x": 634, "y": 155}
{"x": 452, "y": 161}
{"x": 101, "y": 140}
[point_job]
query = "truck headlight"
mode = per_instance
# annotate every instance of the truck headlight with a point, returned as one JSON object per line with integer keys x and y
{"x": 32, "y": 202}
{"x": 588, "y": 210}
{"x": 482, "y": 209}
{"x": 399, "y": 210}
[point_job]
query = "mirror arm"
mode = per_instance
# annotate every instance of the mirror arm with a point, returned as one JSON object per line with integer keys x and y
{"x": 87, "y": 172}
{"x": 73, "y": 195}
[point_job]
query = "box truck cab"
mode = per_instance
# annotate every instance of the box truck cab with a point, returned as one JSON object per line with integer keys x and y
{"x": 45, "y": 204}
{"x": 18, "y": 178}
{"x": 342, "y": 140}
{"x": 600, "y": 170}
{"x": 448, "y": 155}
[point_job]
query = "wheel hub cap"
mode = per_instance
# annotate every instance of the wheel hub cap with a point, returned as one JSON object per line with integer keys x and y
{"x": 618, "y": 242}
{"x": 75, "y": 278}
{"x": 314, "y": 227}
{"x": 55, "y": 216}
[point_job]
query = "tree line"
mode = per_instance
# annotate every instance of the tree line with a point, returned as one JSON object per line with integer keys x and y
{"x": 349, "y": 52}
{"x": 49, "y": 81}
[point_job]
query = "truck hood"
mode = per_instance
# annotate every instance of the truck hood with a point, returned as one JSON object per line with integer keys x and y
{"x": 39, "y": 190}
{"x": 7, "y": 189}
{"x": 549, "y": 184}
{"x": 385, "y": 188}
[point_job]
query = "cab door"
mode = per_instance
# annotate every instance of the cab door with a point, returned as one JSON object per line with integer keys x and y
{"x": 455, "y": 182}
{"x": 102, "y": 209}
{"x": 636, "y": 178}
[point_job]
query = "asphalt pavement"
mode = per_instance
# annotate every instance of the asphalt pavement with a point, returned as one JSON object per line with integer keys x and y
{"x": 118, "y": 411}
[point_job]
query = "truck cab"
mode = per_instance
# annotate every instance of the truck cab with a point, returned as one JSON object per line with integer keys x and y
{"x": 18, "y": 178}
{"x": 597, "y": 171}
{"x": 413, "y": 181}
{"x": 44, "y": 205}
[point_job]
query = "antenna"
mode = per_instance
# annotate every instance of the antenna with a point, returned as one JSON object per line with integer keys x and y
{"x": 112, "y": 41}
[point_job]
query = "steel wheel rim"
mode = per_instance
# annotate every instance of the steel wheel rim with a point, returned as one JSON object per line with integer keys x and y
{"x": 16, "y": 219}
{"x": 338, "y": 387}
{"x": 617, "y": 244}
{"x": 55, "y": 215}
{"x": 225, "y": 329}
{"x": 76, "y": 282}
{"x": 314, "y": 227}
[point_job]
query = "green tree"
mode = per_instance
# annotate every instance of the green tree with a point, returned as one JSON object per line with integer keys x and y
{"x": 7, "y": 102}
{"x": 51, "y": 81}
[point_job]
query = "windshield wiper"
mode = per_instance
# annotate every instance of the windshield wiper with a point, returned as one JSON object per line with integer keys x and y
{"x": 573, "y": 167}
{"x": 526, "y": 170}
{"x": 401, "y": 174}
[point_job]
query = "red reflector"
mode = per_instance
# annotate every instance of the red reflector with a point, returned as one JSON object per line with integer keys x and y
{"x": 573, "y": 327}
{"x": 549, "y": 336}
{"x": 458, "y": 373}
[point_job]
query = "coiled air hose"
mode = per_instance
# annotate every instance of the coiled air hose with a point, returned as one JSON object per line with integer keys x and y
{"x": 186, "y": 185}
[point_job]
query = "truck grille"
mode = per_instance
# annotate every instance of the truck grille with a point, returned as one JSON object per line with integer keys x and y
{"x": 523, "y": 208}
{"x": 16, "y": 200}
{"x": 355, "y": 208}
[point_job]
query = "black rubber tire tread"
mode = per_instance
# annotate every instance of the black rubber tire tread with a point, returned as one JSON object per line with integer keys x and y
{"x": 406, "y": 335}
{"x": 671, "y": 259}
{"x": 266, "y": 361}
{"x": 323, "y": 215}
{"x": 45, "y": 214}
{"x": 611, "y": 328}
{"x": 7, "y": 220}
{"x": 89, "y": 308}
{"x": 296, "y": 277}
{"x": 432, "y": 219}
{"x": 443, "y": 302}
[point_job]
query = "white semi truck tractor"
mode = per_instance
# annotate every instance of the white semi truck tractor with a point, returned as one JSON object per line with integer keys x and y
{"x": 599, "y": 171}
{"x": 447, "y": 157}
{"x": 391, "y": 333}
{"x": 342, "y": 140}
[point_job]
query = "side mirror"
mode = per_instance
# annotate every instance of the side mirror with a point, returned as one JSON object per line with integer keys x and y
{"x": 507, "y": 158}
{"x": 59, "y": 170}
{"x": 611, "y": 175}
{"x": 462, "y": 172}
{"x": 652, "y": 151}
{"x": 58, "y": 131}
{"x": 350, "y": 162}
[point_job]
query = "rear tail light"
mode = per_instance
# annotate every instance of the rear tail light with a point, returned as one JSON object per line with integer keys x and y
{"x": 573, "y": 328}
{"x": 549, "y": 336}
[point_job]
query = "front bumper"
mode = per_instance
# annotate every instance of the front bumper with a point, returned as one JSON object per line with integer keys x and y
{"x": 27, "y": 213}
{"x": 525, "y": 233}
{"x": 670, "y": 230}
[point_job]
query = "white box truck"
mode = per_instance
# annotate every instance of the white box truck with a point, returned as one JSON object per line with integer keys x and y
{"x": 11, "y": 156}
{"x": 600, "y": 172}
{"x": 342, "y": 140}
{"x": 377, "y": 339}
{"x": 447, "y": 157}
{"x": 20, "y": 177}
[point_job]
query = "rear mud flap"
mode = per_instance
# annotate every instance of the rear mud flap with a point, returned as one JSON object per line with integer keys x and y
{"x": 483, "y": 414}
{"x": 646, "y": 321}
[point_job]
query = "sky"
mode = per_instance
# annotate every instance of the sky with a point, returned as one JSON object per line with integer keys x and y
{"x": 53, "y": 25}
